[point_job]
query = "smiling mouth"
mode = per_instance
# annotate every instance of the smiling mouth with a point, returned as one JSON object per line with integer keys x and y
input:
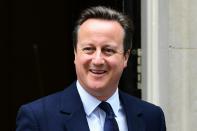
{"x": 97, "y": 72}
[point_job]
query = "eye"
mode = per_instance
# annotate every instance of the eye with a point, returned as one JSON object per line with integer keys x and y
{"x": 109, "y": 51}
{"x": 88, "y": 50}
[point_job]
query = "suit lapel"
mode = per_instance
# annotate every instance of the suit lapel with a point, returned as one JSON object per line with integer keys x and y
{"x": 74, "y": 116}
{"x": 77, "y": 122}
{"x": 133, "y": 113}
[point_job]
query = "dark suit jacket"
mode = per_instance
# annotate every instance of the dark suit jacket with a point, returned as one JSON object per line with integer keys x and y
{"x": 63, "y": 111}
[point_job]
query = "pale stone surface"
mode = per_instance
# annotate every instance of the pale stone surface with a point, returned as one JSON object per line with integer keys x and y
{"x": 183, "y": 23}
{"x": 177, "y": 60}
{"x": 178, "y": 23}
{"x": 193, "y": 23}
{"x": 182, "y": 90}
{"x": 193, "y": 89}
{"x": 182, "y": 107}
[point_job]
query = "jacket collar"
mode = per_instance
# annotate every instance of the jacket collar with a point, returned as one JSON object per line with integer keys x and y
{"x": 133, "y": 113}
{"x": 75, "y": 118}
{"x": 72, "y": 109}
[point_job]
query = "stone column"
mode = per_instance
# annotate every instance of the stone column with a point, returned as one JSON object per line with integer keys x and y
{"x": 170, "y": 78}
{"x": 182, "y": 107}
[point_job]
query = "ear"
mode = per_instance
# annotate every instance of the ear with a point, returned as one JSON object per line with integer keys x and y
{"x": 126, "y": 57}
{"x": 75, "y": 53}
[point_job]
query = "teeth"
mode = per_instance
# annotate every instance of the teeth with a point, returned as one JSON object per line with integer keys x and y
{"x": 98, "y": 71}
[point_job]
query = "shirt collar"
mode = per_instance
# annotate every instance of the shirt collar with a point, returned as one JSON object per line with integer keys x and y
{"x": 115, "y": 102}
{"x": 90, "y": 102}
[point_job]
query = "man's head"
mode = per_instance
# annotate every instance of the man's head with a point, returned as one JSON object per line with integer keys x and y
{"x": 101, "y": 50}
{"x": 101, "y": 12}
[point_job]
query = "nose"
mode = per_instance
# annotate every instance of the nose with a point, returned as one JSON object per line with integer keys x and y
{"x": 98, "y": 58}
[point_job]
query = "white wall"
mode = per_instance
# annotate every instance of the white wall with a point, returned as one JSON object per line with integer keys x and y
{"x": 169, "y": 60}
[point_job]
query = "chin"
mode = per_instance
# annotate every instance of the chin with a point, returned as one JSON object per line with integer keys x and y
{"x": 97, "y": 84}
{"x": 96, "y": 87}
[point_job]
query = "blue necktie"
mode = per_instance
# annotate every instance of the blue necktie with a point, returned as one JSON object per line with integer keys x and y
{"x": 110, "y": 121}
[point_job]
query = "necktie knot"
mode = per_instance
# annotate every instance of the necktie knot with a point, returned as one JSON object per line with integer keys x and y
{"x": 107, "y": 108}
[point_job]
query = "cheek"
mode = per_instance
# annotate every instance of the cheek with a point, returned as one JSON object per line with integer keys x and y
{"x": 117, "y": 62}
{"x": 115, "y": 66}
{"x": 81, "y": 60}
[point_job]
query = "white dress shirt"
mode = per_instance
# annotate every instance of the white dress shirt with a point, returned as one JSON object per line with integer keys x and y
{"x": 95, "y": 116}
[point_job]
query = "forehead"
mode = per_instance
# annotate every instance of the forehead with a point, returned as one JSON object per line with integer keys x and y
{"x": 98, "y": 24}
{"x": 99, "y": 21}
{"x": 100, "y": 27}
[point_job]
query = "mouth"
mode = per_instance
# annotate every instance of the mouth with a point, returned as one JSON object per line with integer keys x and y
{"x": 97, "y": 72}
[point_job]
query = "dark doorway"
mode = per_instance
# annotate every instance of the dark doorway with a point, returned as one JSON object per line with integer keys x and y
{"x": 41, "y": 45}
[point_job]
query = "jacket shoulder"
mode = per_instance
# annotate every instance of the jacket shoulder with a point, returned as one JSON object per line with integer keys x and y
{"x": 141, "y": 104}
{"x": 52, "y": 100}
{"x": 151, "y": 114}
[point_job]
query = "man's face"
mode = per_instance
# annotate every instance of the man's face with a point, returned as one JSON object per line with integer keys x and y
{"x": 99, "y": 57}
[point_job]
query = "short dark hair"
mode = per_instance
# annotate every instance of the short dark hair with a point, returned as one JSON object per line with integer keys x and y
{"x": 105, "y": 13}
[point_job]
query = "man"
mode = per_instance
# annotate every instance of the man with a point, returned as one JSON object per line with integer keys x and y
{"x": 102, "y": 42}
